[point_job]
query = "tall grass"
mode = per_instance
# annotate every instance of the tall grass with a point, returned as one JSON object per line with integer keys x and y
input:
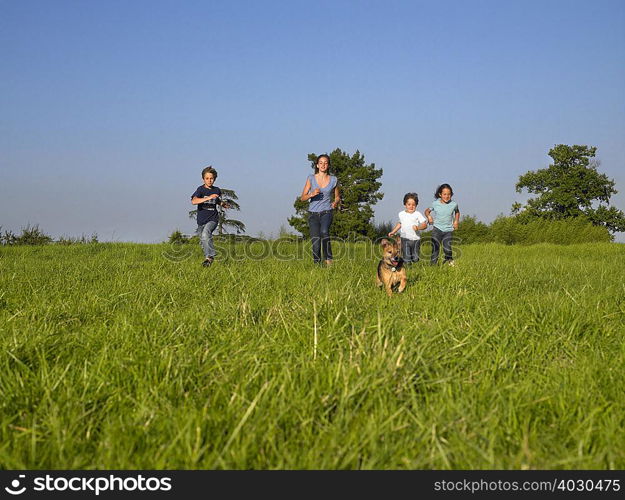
{"x": 112, "y": 356}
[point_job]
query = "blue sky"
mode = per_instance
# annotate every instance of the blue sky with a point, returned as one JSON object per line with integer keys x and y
{"x": 110, "y": 109}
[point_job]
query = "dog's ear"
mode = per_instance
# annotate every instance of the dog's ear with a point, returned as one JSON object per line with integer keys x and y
{"x": 384, "y": 243}
{"x": 397, "y": 240}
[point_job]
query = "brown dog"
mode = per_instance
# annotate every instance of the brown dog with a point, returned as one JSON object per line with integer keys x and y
{"x": 391, "y": 269}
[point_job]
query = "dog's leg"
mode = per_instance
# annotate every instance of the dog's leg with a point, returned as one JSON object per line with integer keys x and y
{"x": 389, "y": 287}
{"x": 378, "y": 281}
{"x": 402, "y": 283}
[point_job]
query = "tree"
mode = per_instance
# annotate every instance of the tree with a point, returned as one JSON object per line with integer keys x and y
{"x": 358, "y": 184}
{"x": 570, "y": 187}
{"x": 229, "y": 197}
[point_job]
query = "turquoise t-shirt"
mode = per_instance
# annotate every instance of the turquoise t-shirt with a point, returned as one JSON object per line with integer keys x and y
{"x": 443, "y": 214}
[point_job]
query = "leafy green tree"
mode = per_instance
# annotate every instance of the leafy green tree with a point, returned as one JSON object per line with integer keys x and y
{"x": 358, "y": 184}
{"x": 570, "y": 187}
{"x": 381, "y": 229}
{"x": 229, "y": 198}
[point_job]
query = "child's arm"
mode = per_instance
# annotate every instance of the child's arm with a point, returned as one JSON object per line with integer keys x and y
{"x": 196, "y": 201}
{"x": 395, "y": 229}
{"x": 456, "y": 219}
{"x": 305, "y": 192}
{"x": 429, "y": 217}
{"x": 422, "y": 223}
{"x": 337, "y": 197}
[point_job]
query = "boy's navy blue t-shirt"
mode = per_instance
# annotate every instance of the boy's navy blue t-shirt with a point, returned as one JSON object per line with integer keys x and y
{"x": 207, "y": 211}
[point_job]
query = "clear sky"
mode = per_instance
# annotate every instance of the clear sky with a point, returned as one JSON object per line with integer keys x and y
{"x": 110, "y": 109}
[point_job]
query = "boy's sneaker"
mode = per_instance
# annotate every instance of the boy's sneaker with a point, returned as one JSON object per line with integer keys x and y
{"x": 207, "y": 262}
{"x": 451, "y": 263}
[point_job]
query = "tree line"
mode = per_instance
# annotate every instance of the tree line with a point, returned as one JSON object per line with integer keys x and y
{"x": 570, "y": 188}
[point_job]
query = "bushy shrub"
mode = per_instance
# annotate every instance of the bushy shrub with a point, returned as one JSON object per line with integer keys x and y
{"x": 510, "y": 231}
{"x": 506, "y": 230}
{"x": 471, "y": 230}
{"x": 177, "y": 238}
{"x": 7, "y": 237}
{"x": 31, "y": 235}
{"x": 81, "y": 240}
{"x": 566, "y": 232}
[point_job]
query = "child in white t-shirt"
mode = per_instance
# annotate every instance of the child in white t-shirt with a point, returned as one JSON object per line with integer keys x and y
{"x": 410, "y": 224}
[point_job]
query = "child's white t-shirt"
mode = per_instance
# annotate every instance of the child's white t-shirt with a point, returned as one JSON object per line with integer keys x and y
{"x": 407, "y": 220}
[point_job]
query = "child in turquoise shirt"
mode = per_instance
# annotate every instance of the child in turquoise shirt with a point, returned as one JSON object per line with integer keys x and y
{"x": 443, "y": 214}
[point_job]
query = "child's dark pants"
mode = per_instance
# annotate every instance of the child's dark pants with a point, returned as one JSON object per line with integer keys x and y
{"x": 319, "y": 224}
{"x": 439, "y": 237}
{"x": 410, "y": 250}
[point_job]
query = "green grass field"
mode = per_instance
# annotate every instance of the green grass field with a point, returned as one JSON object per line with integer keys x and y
{"x": 115, "y": 357}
